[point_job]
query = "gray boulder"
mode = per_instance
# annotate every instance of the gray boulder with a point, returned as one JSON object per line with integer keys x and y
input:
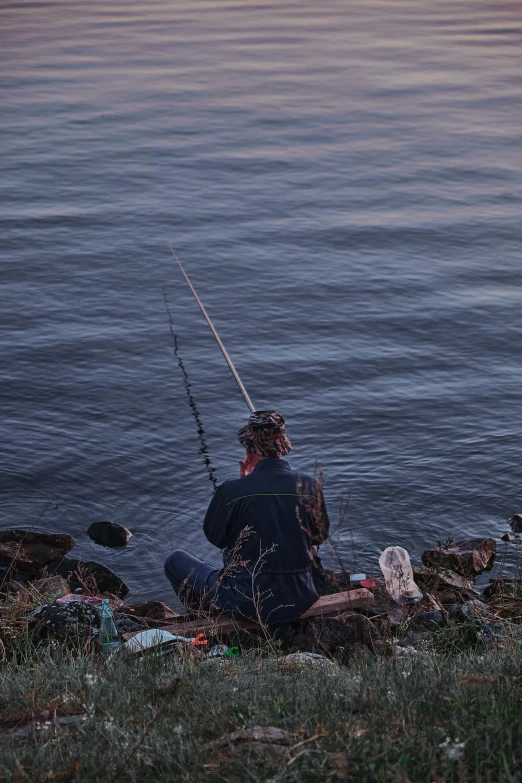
{"x": 467, "y": 557}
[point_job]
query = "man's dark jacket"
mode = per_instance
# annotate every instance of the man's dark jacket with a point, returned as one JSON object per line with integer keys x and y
{"x": 269, "y": 525}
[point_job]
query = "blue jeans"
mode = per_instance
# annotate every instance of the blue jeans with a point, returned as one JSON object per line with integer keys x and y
{"x": 193, "y": 580}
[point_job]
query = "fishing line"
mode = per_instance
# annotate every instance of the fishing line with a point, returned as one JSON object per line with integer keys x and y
{"x": 203, "y": 449}
{"x": 217, "y": 338}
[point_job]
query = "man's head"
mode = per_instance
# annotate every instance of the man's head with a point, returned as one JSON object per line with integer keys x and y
{"x": 265, "y": 436}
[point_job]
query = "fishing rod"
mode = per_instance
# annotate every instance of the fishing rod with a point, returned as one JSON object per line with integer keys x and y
{"x": 218, "y": 339}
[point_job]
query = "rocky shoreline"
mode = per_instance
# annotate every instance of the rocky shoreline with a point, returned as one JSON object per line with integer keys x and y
{"x": 54, "y": 597}
{"x": 57, "y": 598}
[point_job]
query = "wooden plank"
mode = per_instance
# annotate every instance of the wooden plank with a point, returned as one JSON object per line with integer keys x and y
{"x": 223, "y": 624}
{"x": 339, "y": 602}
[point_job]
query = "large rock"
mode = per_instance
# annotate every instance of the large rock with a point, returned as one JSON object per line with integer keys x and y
{"x": 516, "y": 523}
{"x": 468, "y": 557}
{"x": 78, "y": 573}
{"x": 109, "y": 533}
{"x": 30, "y": 551}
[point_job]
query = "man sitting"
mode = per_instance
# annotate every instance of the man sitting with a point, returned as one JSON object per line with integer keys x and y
{"x": 269, "y": 524}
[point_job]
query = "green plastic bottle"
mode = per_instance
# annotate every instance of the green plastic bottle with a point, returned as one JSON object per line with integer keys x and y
{"x": 109, "y": 636}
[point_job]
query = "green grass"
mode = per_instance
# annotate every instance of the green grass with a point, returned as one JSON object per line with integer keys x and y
{"x": 424, "y": 717}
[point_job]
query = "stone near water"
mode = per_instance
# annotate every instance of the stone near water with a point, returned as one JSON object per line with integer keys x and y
{"x": 467, "y": 557}
{"x": 516, "y": 523}
{"x": 508, "y": 537}
{"x": 77, "y": 571}
{"x": 109, "y": 534}
{"x": 28, "y": 551}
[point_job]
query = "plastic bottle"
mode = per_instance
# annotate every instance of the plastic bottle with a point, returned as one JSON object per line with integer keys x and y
{"x": 398, "y": 573}
{"x": 109, "y": 636}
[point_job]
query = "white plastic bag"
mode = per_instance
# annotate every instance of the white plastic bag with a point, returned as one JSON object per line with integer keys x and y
{"x": 398, "y": 573}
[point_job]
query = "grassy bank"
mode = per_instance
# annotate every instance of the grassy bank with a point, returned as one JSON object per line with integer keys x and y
{"x": 422, "y": 717}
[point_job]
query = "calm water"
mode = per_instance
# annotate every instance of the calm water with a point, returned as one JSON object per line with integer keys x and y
{"x": 343, "y": 182}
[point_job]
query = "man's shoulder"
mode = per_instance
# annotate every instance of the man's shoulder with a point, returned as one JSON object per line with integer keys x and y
{"x": 232, "y": 489}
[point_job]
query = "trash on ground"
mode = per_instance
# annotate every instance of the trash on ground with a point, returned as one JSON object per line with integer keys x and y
{"x": 161, "y": 641}
{"x": 361, "y": 580}
{"x": 109, "y": 636}
{"x": 398, "y": 574}
{"x": 222, "y": 651}
{"x": 217, "y": 651}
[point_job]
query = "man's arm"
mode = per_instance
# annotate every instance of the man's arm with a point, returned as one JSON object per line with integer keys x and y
{"x": 214, "y": 525}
